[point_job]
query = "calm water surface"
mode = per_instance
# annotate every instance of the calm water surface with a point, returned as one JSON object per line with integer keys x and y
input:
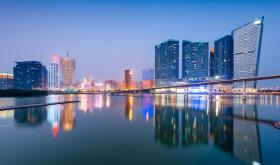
{"x": 149, "y": 129}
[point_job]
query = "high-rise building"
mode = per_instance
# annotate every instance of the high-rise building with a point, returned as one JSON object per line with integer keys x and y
{"x": 194, "y": 60}
{"x": 30, "y": 75}
{"x": 67, "y": 66}
{"x": 128, "y": 79}
{"x": 223, "y": 58}
{"x": 6, "y": 81}
{"x": 148, "y": 78}
{"x": 166, "y": 62}
{"x": 212, "y": 61}
{"x": 247, "y": 41}
{"x": 53, "y": 74}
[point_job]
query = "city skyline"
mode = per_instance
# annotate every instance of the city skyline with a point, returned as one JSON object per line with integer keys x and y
{"x": 242, "y": 50}
{"x": 71, "y": 33}
{"x": 139, "y": 82}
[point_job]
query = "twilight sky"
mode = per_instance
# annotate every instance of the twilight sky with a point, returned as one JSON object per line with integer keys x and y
{"x": 107, "y": 36}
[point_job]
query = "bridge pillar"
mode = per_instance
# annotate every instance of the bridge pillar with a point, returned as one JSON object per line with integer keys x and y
{"x": 244, "y": 95}
{"x": 186, "y": 90}
{"x": 211, "y": 92}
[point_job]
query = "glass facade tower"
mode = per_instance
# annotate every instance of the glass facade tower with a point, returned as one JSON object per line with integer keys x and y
{"x": 30, "y": 75}
{"x": 247, "y": 42}
{"x": 53, "y": 74}
{"x": 195, "y": 60}
{"x": 166, "y": 62}
{"x": 223, "y": 58}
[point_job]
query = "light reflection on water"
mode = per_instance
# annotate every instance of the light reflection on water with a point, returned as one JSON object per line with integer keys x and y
{"x": 177, "y": 121}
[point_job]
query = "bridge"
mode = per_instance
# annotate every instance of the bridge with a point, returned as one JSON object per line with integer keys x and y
{"x": 184, "y": 86}
{"x": 205, "y": 83}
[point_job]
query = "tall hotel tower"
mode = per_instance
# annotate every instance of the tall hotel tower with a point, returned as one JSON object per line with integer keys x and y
{"x": 194, "y": 60}
{"x": 166, "y": 62}
{"x": 53, "y": 73}
{"x": 247, "y": 41}
{"x": 67, "y": 66}
{"x": 222, "y": 62}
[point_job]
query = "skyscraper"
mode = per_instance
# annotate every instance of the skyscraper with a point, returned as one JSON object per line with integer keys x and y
{"x": 194, "y": 60}
{"x": 53, "y": 73}
{"x": 166, "y": 62}
{"x": 30, "y": 75}
{"x": 67, "y": 65}
{"x": 223, "y": 57}
{"x": 128, "y": 79}
{"x": 247, "y": 41}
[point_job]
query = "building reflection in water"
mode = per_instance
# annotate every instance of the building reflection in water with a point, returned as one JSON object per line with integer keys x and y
{"x": 221, "y": 124}
{"x": 222, "y": 121}
{"x": 86, "y": 104}
{"x": 31, "y": 116}
{"x": 61, "y": 115}
{"x": 54, "y": 114}
{"x": 195, "y": 121}
{"x": 90, "y": 102}
{"x": 99, "y": 101}
{"x": 246, "y": 134}
{"x": 9, "y": 114}
{"x": 129, "y": 107}
{"x": 166, "y": 120}
{"x": 68, "y": 115}
{"x": 108, "y": 101}
{"x": 148, "y": 107}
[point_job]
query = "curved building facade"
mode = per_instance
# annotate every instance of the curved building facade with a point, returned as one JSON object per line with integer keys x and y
{"x": 247, "y": 41}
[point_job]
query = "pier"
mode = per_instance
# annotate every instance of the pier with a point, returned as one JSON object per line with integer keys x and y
{"x": 36, "y": 105}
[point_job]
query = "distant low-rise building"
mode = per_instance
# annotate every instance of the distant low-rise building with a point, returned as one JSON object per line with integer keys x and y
{"x": 111, "y": 85}
{"x": 6, "y": 81}
{"x": 87, "y": 84}
{"x": 148, "y": 78}
{"x": 148, "y": 83}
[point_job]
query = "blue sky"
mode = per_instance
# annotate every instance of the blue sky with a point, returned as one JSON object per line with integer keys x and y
{"x": 107, "y": 37}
